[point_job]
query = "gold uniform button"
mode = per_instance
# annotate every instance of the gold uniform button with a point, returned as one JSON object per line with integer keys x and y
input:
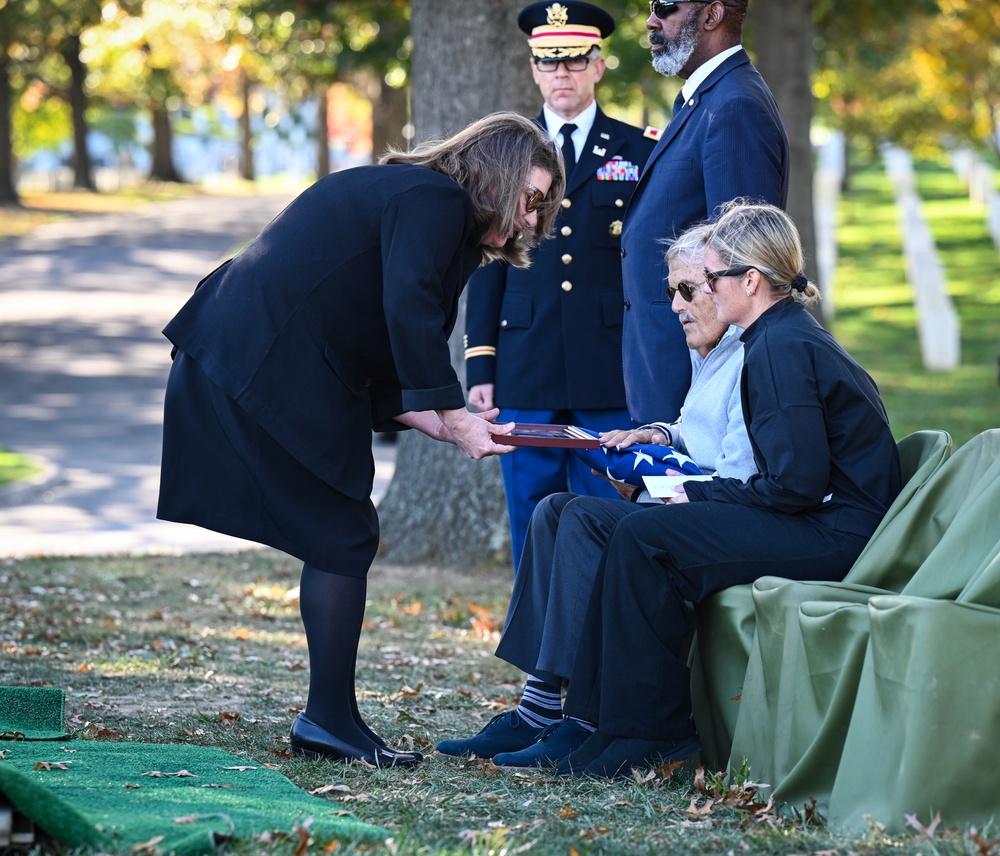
{"x": 566, "y": 231}
{"x": 566, "y": 259}
{"x": 619, "y": 203}
{"x": 567, "y": 286}
{"x": 566, "y": 203}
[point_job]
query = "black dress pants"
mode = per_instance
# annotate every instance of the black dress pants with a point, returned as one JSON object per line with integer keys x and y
{"x": 629, "y": 677}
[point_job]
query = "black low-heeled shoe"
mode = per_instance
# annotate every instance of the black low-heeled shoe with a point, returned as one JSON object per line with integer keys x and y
{"x": 311, "y": 741}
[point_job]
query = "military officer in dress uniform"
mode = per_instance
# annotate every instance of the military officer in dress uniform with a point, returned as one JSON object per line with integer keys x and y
{"x": 545, "y": 344}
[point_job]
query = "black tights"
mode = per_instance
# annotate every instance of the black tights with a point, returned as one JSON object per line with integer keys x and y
{"x": 333, "y": 609}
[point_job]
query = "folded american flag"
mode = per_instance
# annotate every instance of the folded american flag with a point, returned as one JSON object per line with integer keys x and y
{"x": 638, "y": 460}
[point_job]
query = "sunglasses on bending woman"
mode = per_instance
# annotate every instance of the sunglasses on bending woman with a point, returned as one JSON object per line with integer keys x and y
{"x": 665, "y": 10}
{"x": 535, "y": 197}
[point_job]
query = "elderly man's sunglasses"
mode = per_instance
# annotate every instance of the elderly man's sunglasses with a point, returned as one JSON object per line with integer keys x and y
{"x": 685, "y": 288}
{"x": 533, "y": 198}
{"x": 665, "y": 10}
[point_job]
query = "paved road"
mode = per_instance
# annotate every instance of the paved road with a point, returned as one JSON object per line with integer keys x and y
{"x": 83, "y": 366}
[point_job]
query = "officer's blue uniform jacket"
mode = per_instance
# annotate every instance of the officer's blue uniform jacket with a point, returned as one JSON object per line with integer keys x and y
{"x": 549, "y": 337}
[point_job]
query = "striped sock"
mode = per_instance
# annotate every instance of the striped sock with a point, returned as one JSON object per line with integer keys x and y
{"x": 541, "y": 703}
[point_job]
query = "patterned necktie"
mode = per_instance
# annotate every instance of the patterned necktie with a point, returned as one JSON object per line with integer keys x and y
{"x": 568, "y": 149}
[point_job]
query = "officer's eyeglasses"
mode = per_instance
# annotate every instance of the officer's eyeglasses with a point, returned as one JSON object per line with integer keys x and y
{"x": 665, "y": 10}
{"x": 685, "y": 288}
{"x": 712, "y": 275}
{"x": 533, "y": 198}
{"x": 576, "y": 63}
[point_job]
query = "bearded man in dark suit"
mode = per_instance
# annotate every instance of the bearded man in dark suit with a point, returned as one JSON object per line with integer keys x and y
{"x": 725, "y": 140}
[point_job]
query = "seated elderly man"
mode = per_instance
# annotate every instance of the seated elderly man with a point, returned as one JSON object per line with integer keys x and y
{"x": 556, "y": 574}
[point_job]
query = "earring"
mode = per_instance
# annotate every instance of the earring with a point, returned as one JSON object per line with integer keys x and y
{"x": 749, "y": 293}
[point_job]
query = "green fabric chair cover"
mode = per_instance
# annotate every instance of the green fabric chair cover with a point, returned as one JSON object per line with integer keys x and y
{"x": 925, "y": 733}
{"x": 809, "y": 651}
{"x": 725, "y": 622}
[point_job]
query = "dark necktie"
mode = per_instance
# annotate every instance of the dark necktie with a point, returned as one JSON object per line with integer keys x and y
{"x": 568, "y": 149}
{"x": 678, "y": 103}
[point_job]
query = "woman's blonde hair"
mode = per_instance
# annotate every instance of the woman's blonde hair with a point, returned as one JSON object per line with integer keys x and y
{"x": 764, "y": 237}
{"x": 491, "y": 160}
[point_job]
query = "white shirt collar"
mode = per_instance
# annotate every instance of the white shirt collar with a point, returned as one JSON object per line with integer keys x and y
{"x": 705, "y": 69}
{"x": 584, "y": 122}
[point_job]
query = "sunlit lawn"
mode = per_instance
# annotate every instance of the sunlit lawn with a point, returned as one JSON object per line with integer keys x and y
{"x": 875, "y": 317}
{"x": 209, "y": 650}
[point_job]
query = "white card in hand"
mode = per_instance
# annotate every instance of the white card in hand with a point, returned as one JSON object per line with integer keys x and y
{"x": 666, "y": 486}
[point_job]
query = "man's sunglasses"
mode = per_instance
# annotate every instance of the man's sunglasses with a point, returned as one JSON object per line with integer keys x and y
{"x": 665, "y": 10}
{"x": 685, "y": 288}
{"x": 534, "y": 198}
{"x": 712, "y": 275}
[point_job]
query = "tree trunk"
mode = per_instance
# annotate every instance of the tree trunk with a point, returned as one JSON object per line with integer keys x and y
{"x": 441, "y": 506}
{"x": 783, "y": 33}
{"x": 390, "y": 109}
{"x": 8, "y": 186}
{"x": 323, "y": 134}
{"x": 83, "y": 173}
{"x": 246, "y": 132}
{"x": 162, "y": 152}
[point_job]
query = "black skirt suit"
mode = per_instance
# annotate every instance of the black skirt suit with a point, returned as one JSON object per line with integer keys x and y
{"x": 332, "y": 322}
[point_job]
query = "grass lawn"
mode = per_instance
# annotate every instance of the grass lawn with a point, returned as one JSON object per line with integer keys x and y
{"x": 875, "y": 318}
{"x": 208, "y": 650}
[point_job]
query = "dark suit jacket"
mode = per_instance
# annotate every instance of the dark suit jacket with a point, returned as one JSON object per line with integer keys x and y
{"x": 550, "y": 337}
{"x": 727, "y": 141}
{"x": 336, "y": 317}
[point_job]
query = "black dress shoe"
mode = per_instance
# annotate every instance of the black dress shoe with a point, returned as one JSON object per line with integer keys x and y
{"x": 311, "y": 741}
{"x": 621, "y": 754}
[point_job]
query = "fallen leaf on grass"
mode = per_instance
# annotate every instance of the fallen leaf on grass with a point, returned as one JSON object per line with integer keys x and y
{"x": 594, "y": 831}
{"x": 568, "y": 813}
{"x": 239, "y": 769}
{"x": 330, "y": 789}
{"x": 49, "y": 766}
{"x": 216, "y": 785}
{"x": 146, "y": 846}
{"x": 406, "y": 692}
{"x": 158, "y": 774}
{"x": 403, "y": 716}
{"x": 188, "y": 819}
{"x": 132, "y": 787}
{"x": 657, "y": 776}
